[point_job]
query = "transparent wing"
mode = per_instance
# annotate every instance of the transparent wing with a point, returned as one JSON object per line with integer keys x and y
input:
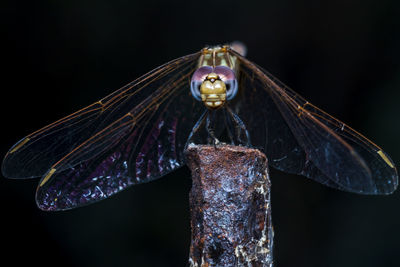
{"x": 135, "y": 142}
{"x": 302, "y": 139}
{"x": 36, "y": 153}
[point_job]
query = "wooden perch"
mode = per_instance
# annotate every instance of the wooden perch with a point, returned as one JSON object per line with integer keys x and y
{"x": 230, "y": 207}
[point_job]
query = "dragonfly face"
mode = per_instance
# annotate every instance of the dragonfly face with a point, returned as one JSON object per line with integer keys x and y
{"x": 139, "y": 132}
{"x": 214, "y": 82}
{"x": 214, "y": 86}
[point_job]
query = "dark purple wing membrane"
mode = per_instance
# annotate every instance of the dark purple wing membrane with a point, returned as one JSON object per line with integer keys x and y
{"x": 140, "y": 136}
{"x": 36, "y": 153}
{"x": 299, "y": 138}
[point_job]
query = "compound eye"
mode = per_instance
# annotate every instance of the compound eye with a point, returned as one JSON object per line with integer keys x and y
{"x": 197, "y": 79}
{"x": 195, "y": 89}
{"x": 201, "y": 73}
{"x": 228, "y": 77}
{"x": 225, "y": 73}
{"x": 231, "y": 89}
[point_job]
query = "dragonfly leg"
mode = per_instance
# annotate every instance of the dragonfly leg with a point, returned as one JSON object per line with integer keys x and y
{"x": 210, "y": 130}
{"x": 229, "y": 127}
{"x": 196, "y": 127}
{"x": 240, "y": 126}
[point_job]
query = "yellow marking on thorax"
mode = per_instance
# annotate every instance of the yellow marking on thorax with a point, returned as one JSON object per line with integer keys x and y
{"x": 218, "y": 56}
{"x": 385, "y": 158}
{"x": 47, "y": 177}
{"x": 19, "y": 145}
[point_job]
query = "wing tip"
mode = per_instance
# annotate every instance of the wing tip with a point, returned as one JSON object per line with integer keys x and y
{"x": 386, "y": 158}
{"x": 18, "y": 145}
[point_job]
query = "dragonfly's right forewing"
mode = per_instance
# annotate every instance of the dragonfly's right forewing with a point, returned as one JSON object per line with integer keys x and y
{"x": 300, "y": 138}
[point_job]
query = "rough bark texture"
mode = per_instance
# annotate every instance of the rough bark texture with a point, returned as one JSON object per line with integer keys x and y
{"x": 230, "y": 207}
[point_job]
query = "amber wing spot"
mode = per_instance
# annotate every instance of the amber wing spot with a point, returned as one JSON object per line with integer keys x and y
{"x": 47, "y": 177}
{"x": 385, "y": 158}
{"x": 19, "y": 145}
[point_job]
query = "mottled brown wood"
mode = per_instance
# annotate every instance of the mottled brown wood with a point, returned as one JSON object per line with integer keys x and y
{"x": 230, "y": 207}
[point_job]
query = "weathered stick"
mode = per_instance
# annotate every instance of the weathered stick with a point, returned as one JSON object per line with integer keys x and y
{"x": 230, "y": 207}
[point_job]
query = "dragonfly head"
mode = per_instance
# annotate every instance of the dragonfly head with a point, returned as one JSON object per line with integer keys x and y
{"x": 213, "y": 86}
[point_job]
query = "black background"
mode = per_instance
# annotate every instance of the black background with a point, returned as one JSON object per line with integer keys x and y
{"x": 59, "y": 56}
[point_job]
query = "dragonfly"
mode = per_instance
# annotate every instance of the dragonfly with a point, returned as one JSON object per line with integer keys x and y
{"x": 139, "y": 133}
